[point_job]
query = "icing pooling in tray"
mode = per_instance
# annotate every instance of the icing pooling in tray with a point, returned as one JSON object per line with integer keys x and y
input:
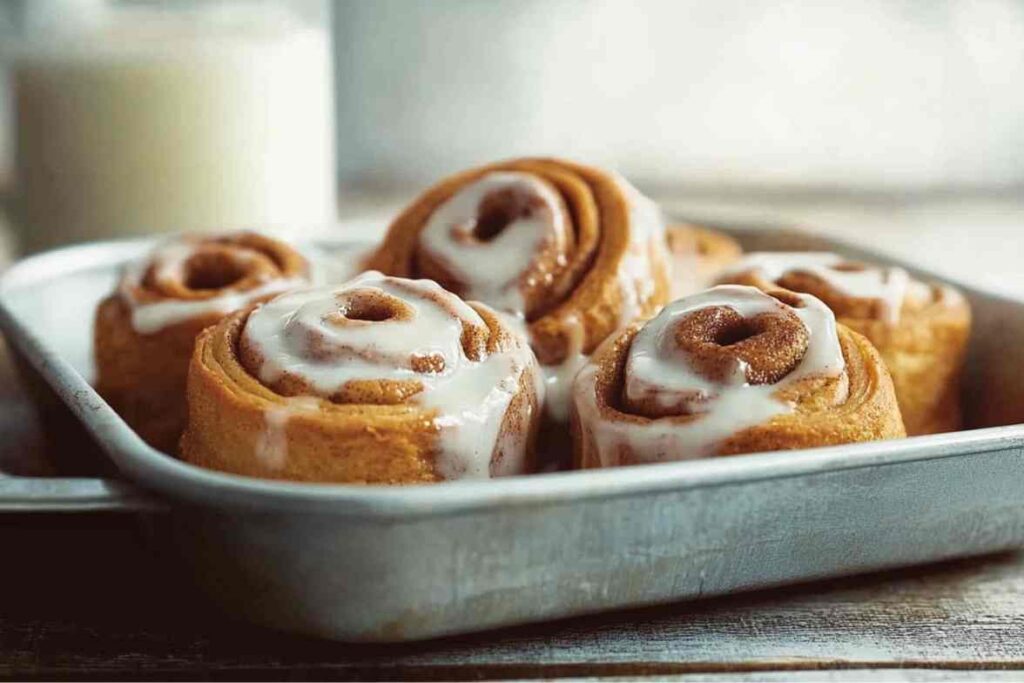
{"x": 168, "y": 263}
{"x": 717, "y": 409}
{"x": 888, "y": 285}
{"x": 306, "y": 335}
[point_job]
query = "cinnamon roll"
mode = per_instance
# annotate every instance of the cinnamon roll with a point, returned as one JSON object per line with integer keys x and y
{"x": 731, "y": 370}
{"x": 920, "y": 329}
{"x": 145, "y": 331}
{"x": 380, "y": 380}
{"x": 698, "y": 256}
{"x": 570, "y": 251}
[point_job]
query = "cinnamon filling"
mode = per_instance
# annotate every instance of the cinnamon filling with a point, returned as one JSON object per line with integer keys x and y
{"x": 507, "y": 239}
{"x": 691, "y": 358}
{"x": 206, "y": 269}
{"x": 369, "y": 306}
{"x": 503, "y": 207}
{"x": 842, "y": 303}
{"x": 212, "y": 270}
{"x": 717, "y": 341}
{"x": 343, "y": 332}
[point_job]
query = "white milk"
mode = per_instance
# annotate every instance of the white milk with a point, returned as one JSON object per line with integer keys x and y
{"x": 151, "y": 121}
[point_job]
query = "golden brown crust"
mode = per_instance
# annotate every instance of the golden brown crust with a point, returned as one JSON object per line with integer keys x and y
{"x": 232, "y": 428}
{"x": 236, "y": 262}
{"x": 825, "y": 413}
{"x": 924, "y": 349}
{"x": 587, "y": 292}
{"x": 869, "y": 413}
{"x": 698, "y": 256}
{"x": 925, "y": 356}
{"x": 142, "y": 375}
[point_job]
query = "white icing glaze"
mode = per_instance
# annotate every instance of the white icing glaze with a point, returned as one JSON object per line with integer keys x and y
{"x": 717, "y": 409}
{"x": 272, "y": 445}
{"x": 646, "y": 233}
{"x": 168, "y": 262}
{"x": 888, "y": 285}
{"x": 558, "y": 378}
{"x": 923, "y": 294}
{"x": 919, "y": 292}
{"x": 471, "y": 398}
{"x": 950, "y": 296}
{"x": 492, "y": 270}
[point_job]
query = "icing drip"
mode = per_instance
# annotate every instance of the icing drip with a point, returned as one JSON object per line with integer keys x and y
{"x": 887, "y": 285}
{"x": 168, "y": 266}
{"x": 411, "y": 333}
{"x": 558, "y": 378}
{"x": 495, "y": 268}
{"x": 712, "y": 407}
{"x": 647, "y": 227}
{"x": 272, "y": 446}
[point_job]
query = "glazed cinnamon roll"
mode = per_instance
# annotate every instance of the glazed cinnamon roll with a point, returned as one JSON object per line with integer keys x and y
{"x": 145, "y": 331}
{"x": 381, "y": 380}
{"x": 698, "y": 256}
{"x": 726, "y": 371}
{"x": 572, "y": 252}
{"x": 920, "y": 329}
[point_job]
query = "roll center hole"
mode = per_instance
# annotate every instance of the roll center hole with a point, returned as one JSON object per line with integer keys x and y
{"x": 770, "y": 344}
{"x": 369, "y": 311}
{"x": 207, "y": 271}
{"x": 735, "y": 333}
{"x": 501, "y": 208}
{"x": 369, "y": 306}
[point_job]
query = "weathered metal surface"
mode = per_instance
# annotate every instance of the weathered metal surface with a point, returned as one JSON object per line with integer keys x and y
{"x": 124, "y": 613}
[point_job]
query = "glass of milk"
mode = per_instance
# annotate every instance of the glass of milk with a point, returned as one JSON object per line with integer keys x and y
{"x": 143, "y": 118}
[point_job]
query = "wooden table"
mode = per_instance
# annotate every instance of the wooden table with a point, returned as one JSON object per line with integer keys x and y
{"x": 87, "y": 597}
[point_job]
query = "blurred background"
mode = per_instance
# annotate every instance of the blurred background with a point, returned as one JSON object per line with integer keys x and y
{"x": 810, "y": 94}
{"x": 898, "y": 122}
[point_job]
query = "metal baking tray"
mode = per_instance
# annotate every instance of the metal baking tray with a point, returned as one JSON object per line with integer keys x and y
{"x": 365, "y": 563}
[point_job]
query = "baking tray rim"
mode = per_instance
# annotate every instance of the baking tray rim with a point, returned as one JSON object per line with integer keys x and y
{"x": 198, "y": 486}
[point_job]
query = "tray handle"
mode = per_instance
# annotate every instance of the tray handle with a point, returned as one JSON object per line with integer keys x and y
{"x": 64, "y": 494}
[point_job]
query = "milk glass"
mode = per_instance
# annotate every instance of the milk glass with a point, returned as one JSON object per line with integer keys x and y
{"x": 135, "y": 118}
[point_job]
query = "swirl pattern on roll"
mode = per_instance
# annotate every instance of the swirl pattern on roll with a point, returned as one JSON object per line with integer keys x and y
{"x": 146, "y": 329}
{"x": 572, "y": 251}
{"x": 849, "y": 287}
{"x": 202, "y": 276}
{"x": 404, "y": 380}
{"x": 730, "y": 370}
{"x": 921, "y": 329}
